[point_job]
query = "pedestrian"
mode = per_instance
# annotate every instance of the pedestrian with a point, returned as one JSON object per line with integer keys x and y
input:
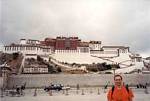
{"x": 17, "y": 89}
{"x": 119, "y": 92}
{"x": 35, "y": 92}
{"x": 78, "y": 87}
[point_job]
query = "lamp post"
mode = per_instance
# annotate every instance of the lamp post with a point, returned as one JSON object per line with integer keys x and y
{"x": 113, "y": 71}
{"x": 114, "y": 68}
{"x": 3, "y": 80}
{"x": 4, "y": 69}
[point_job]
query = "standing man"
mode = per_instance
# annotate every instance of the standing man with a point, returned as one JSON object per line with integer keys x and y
{"x": 119, "y": 92}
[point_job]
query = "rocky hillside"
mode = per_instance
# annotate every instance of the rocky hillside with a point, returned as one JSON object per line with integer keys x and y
{"x": 13, "y": 60}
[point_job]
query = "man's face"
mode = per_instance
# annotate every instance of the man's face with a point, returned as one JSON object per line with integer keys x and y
{"x": 118, "y": 81}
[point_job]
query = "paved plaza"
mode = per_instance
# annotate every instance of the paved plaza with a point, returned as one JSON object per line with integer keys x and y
{"x": 84, "y": 94}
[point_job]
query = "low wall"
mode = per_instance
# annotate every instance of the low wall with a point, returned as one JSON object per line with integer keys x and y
{"x": 74, "y": 79}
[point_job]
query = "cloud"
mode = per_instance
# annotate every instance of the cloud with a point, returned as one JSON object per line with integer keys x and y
{"x": 114, "y": 22}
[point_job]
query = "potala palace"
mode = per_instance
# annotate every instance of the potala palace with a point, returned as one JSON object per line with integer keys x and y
{"x": 70, "y": 50}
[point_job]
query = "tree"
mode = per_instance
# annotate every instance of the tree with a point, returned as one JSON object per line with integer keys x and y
{"x": 39, "y": 58}
{"x": 15, "y": 56}
{"x": 59, "y": 69}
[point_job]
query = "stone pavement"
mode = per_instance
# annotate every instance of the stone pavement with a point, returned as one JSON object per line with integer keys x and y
{"x": 84, "y": 94}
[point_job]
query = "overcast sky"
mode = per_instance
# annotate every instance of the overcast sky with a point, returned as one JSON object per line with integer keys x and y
{"x": 114, "y": 22}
